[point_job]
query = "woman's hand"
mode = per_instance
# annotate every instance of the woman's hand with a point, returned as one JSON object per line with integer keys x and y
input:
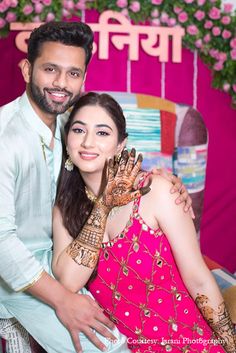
{"x": 120, "y": 190}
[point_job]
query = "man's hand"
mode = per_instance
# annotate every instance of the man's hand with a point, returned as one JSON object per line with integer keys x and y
{"x": 119, "y": 190}
{"x": 179, "y": 187}
{"x": 80, "y": 313}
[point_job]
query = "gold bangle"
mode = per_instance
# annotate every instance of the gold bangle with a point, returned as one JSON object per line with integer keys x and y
{"x": 36, "y": 278}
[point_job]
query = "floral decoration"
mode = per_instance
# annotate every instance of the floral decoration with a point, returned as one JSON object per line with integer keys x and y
{"x": 210, "y": 27}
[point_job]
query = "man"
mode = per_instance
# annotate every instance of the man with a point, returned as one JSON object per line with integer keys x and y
{"x": 30, "y": 159}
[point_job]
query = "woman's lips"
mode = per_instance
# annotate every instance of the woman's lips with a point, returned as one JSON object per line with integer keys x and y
{"x": 88, "y": 156}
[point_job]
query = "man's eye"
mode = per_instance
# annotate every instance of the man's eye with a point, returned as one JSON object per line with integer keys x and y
{"x": 75, "y": 74}
{"x": 50, "y": 69}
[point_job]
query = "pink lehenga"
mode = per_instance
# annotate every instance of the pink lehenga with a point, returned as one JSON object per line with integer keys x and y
{"x": 139, "y": 286}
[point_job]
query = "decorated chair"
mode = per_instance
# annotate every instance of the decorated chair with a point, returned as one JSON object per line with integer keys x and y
{"x": 169, "y": 135}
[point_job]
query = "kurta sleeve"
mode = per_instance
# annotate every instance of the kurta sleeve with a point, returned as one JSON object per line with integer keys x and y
{"x": 18, "y": 266}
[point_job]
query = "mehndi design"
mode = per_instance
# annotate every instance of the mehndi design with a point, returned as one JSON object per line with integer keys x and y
{"x": 84, "y": 250}
{"x": 219, "y": 320}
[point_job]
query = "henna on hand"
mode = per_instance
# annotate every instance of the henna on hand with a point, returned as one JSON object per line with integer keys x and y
{"x": 220, "y": 322}
{"x": 119, "y": 190}
{"x": 84, "y": 250}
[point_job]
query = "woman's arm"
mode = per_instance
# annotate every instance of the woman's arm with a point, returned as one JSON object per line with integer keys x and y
{"x": 199, "y": 281}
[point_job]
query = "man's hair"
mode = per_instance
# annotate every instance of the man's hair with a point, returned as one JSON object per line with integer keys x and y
{"x": 76, "y": 34}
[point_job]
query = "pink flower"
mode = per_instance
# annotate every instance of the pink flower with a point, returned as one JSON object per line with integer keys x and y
{"x": 38, "y": 7}
{"x": 10, "y": 17}
{"x": 3, "y": 7}
{"x": 216, "y": 31}
{"x": 199, "y": 15}
{"x": 218, "y": 66}
{"x": 171, "y": 22}
{"x": 135, "y": 6}
{"x": 47, "y": 3}
{"x": 226, "y": 34}
{"x": 192, "y": 30}
{"x": 157, "y": 2}
{"x": 156, "y": 22}
{"x": 125, "y": 12}
{"x": 80, "y": 5}
{"x": 50, "y": 17}
{"x": 27, "y": 9}
{"x": 207, "y": 38}
{"x": 121, "y": 3}
{"x": 36, "y": 18}
{"x": 188, "y": 1}
{"x": 2, "y": 22}
{"x": 208, "y": 24}
{"x": 226, "y": 87}
{"x": 234, "y": 87}
{"x": 214, "y": 13}
{"x": 155, "y": 13}
{"x": 225, "y": 20}
{"x": 183, "y": 17}
{"x": 201, "y": 2}
{"x": 213, "y": 53}
{"x": 228, "y": 7}
{"x": 177, "y": 9}
{"x": 222, "y": 56}
{"x": 233, "y": 54}
{"x": 233, "y": 43}
{"x": 198, "y": 43}
{"x": 164, "y": 17}
{"x": 65, "y": 13}
{"x": 69, "y": 5}
{"x": 14, "y": 3}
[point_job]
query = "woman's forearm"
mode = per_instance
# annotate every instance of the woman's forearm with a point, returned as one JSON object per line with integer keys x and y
{"x": 211, "y": 304}
{"x": 74, "y": 266}
{"x": 219, "y": 320}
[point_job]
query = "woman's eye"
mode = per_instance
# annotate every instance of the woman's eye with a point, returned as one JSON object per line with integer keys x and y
{"x": 77, "y": 130}
{"x": 103, "y": 133}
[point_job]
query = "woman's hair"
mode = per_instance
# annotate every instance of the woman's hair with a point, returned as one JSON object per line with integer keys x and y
{"x": 71, "y": 198}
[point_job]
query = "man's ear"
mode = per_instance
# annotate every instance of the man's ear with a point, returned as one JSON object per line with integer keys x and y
{"x": 26, "y": 68}
{"x": 85, "y": 75}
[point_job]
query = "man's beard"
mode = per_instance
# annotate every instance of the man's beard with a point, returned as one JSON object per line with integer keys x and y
{"x": 51, "y": 107}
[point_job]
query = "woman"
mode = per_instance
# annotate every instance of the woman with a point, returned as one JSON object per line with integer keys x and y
{"x": 150, "y": 278}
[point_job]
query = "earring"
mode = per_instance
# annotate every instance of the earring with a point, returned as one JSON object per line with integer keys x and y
{"x": 69, "y": 166}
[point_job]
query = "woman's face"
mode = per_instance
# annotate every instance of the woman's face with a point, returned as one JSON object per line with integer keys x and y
{"x": 92, "y": 139}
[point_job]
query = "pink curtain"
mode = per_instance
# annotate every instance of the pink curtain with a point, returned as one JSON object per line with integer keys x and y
{"x": 218, "y": 226}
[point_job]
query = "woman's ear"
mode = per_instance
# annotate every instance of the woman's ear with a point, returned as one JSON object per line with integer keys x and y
{"x": 121, "y": 146}
{"x": 25, "y": 67}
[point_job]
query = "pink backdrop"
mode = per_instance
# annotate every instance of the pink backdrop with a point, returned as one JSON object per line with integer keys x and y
{"x": 218, "y": 226}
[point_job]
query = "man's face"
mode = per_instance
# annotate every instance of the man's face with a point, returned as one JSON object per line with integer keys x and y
{"x": 56, "y": 77}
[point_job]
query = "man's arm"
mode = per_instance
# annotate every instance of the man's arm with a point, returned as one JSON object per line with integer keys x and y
{"x": 78, "y": 313}
{"x": 21, "y": 271}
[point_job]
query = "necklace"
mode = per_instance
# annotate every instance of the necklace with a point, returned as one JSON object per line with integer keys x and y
{"x": 90, "y": 195}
